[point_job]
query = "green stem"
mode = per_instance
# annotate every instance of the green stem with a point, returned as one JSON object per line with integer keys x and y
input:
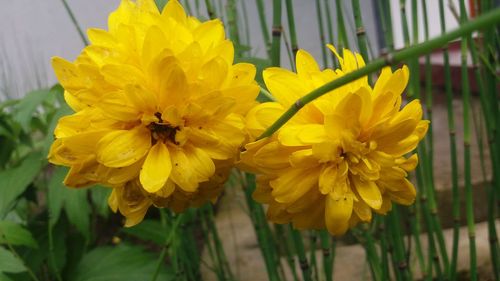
{"x": 301, "y": 253}
{"x": 394, "y": 58}
{"x": 322, "y": 32}
{"x": 264, "y": 236}
{"x": 291, "y": 27}
{"x": 276, "y": 32}
{"x": 75, "y": 23}
{"x": 210, "y": 9}
{"x": 361, "y": 33}
{"x": 467, "y": 143}
{"x": 453, "y": 151}
{"x": 168, "y": 240}
{"x": 232, "y": 20}
{"x": 327, "y": 255}
{"x": 343, "y": 41}
{"x": 263, "y": 26}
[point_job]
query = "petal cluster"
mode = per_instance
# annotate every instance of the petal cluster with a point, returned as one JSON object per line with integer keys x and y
{"x": 158, "y": 109}
{"x": 342, "y": 156}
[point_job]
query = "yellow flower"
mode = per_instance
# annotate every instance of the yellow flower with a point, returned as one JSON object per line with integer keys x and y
{"x": 340, "y": 157}
{"x": 159, "y": 109}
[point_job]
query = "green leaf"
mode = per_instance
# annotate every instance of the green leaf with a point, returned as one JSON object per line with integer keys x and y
{"x": 27, "y": 106}
{"x": 119, "y": 263}
{"x": 15, "y": 234}
{"x": 148, "y": 230}
{"x": 9, "y": 263}
{"x": 74, "y": 201}
{"x": 77, "y": 209}
{"x": 4, "y": 277}
{"x": 99, "y": 195}
{"x": 15, "y": 181}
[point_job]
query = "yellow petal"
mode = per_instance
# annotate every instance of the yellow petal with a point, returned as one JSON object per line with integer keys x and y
{"x": 338, "y": 211}
{"x": 327, "y": 179}
{"x": 369, "y": 192}
{"x": 174, "y": 10}
{"x": 284, "y": 85}
{"x": 262, "y": 116}
{"x": 300, "y": 135}
{"x": 209, "y": 33}
{"x": 294, "y": 183}
{"x": 242, "y": 74}
{"x": 122, "y": 74}
{"x": 122, "y": 148}
{"x": 404, "y": 193}
{"x": 156, "y": 169}
{"x": 363, "y": 211}
{"x": 306, "y": 64}
{"x": 154, "y": 43}
{"x": 115, "y": 106}
{"x": 100, "y": 37}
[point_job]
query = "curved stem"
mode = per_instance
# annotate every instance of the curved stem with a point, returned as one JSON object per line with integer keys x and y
{"x": 394, "y": 58}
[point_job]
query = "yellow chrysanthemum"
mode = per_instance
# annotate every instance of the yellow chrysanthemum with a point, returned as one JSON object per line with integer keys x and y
{"x": 340, "y": 157}
{"x": 159, "y": 109}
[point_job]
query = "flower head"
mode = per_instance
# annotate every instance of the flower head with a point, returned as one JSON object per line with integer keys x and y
{"x": 342, "y": 156}
{"x": 159, "y": 109}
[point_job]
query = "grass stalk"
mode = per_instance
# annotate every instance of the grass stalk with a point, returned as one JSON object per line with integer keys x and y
{"x": 361, "y": 33}
{"x": 276, "y": 32}
{"x": 75, "y": 23}
{"x": 263, "y": 25}
{"x": 324, "y": 237}
{"x": 168, "y": 240}
{"x": 466, "y": 98}
{"x": 301, "y": 254}
{"x": 401, "y": 267}
{"x": 453, "y": 151}
{"x": 322, "y": 32}
{"x": 491, "y": 118}
{"x": 342, "y": 33}
{"x": 210, "y": 9}
{"x": 246, "y": 23}
{"x": 291, "y": 27}
{"x": 232, "y": 20}
{"x": 260, "y": 226}
{"x": 288, "y": 245}
{"x": 393, "y": 58}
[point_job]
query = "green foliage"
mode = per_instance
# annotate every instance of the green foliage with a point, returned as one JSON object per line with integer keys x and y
{"x": 14, "y": 181}
{"x": 119, "y": 263}
{"x": 10, "y": 263}
{"x": 15, "y": 234}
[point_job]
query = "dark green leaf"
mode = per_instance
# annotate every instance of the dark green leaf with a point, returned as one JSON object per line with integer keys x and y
{"x": 4, "y": 277}
{"x": 77, "y": 209}
{"x": 73, "y": 200}
{"x": 27, "y": 106}
{"x": 99, "y": 195}
{"x": 15, "y": 234}
{"x": 148, "y": 230}
{"x": 9, "y": 263}
{"x": 119, "y": 263}
{"x": 14, "y": 181}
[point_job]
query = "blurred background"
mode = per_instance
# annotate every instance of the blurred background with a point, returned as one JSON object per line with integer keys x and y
{"x": 31, "y": 32}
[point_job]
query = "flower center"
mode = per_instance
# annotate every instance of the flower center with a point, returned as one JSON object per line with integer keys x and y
{"x": 162, "y": 131}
